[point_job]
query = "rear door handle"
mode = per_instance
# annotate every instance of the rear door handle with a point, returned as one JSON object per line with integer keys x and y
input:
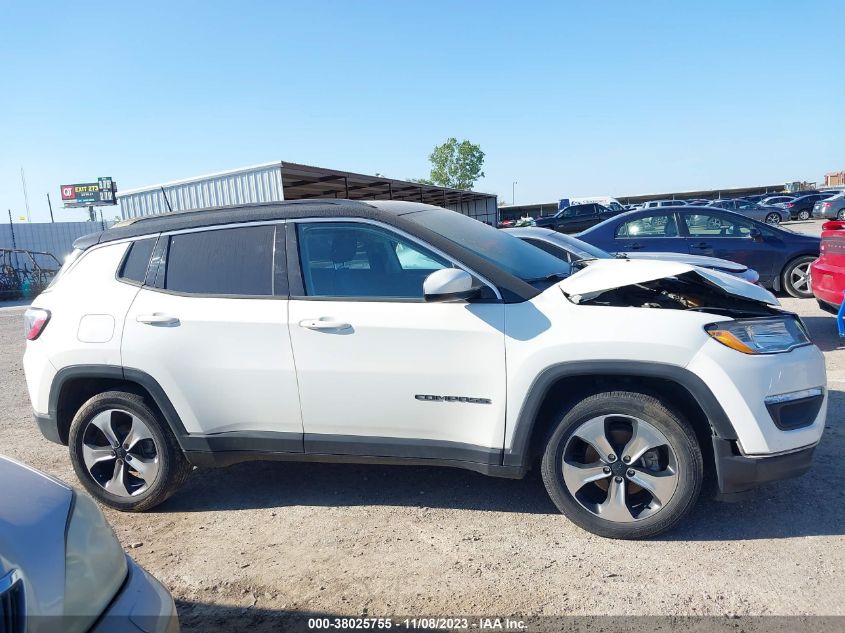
{"x": 635, "y": 246}
{"x": 157, "y": 319}
{"x": 701, "y": 245}
{"x": 324, "y": 323}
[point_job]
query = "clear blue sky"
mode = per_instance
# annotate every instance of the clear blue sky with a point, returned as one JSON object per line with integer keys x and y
{"x": 565, "y": 98}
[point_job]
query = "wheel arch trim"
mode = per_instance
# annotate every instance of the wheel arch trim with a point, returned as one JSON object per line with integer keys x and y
{"x": 115, "y": 372}
{"x": 518, "y": 453}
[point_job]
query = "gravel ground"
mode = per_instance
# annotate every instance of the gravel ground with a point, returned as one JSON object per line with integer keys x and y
{"x": 256, "y": 543}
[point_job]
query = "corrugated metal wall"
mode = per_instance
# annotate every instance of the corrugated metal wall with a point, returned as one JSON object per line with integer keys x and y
{"x": 56, "y": 238}
{"x": 259, "y": 184}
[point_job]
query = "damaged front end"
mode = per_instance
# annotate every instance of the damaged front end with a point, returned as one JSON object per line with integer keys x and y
{"x": 668, "y": 285}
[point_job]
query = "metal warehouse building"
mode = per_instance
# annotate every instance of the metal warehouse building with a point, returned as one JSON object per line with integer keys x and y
{"x": 276, "y": 181}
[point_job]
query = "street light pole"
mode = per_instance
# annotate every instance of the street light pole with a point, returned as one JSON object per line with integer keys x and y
{"x": 513, "y": 191}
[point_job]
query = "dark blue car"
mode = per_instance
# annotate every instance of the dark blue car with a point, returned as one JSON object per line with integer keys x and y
{"x": 781, "y": 257}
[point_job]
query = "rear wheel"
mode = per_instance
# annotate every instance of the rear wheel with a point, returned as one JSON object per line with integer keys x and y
{"x": 773, "y": 218}
{"x": 124, "y": 453}
{"x": 796, "y": 277}
{"x": 804, "y": 215}
{"x": 622, "y": 465}
{"x": 841, "y": 215}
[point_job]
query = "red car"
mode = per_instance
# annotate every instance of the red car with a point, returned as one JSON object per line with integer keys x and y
{"x": 827, "y": 273}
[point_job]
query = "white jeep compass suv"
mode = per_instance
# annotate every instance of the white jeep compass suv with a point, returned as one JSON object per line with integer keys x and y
{"x": 402, "y": 333}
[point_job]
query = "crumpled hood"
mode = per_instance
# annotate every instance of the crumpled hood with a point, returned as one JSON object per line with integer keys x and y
{"x": 696, "y": 260}
{"x": 607, "y": 274}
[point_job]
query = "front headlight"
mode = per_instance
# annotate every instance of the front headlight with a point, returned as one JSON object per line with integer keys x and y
{"x": 760, "y": 336}
{"x": 95, "y": 565}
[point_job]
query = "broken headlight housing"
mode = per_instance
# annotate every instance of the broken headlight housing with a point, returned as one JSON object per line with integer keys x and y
{"x": 770, "y": 335}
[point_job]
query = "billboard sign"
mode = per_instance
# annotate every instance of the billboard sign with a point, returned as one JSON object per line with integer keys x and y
{"x": 88, "y": 194}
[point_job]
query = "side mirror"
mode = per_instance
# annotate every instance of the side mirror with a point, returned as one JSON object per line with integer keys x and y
{"x": 448, "y": 284}
{"x": 756, "y": 235}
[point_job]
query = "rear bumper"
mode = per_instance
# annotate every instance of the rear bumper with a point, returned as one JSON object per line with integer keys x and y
{"x": 738, "y": 475}
{"x": 828, "y": 282}
{"x": 49, "y": 427}
{"x": 143, "y": 604}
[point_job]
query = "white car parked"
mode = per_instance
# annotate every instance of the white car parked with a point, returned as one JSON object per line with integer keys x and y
{"x": 401, "y": 333}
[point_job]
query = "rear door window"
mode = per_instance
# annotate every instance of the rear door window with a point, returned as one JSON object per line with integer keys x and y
{"x": 228, "y": 262}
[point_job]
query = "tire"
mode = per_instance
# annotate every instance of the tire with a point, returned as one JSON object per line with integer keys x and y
{"x": 99, "y": 434}
{"x": 773, "y": 218}
{"x": 841, "y": 215}
{"x": 640, "y": 513}
{"x": 804, "y": 215}
{"x": 796, "y": 277}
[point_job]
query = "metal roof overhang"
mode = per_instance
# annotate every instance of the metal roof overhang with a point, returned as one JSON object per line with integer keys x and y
{"x": 305, "y": 181}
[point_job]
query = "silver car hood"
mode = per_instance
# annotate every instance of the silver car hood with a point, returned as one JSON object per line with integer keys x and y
{"x": 606, "y": 274}
{"x": 34, "y": 510}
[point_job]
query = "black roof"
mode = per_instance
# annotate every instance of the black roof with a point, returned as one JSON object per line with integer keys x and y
{"x": 256, "y": 212}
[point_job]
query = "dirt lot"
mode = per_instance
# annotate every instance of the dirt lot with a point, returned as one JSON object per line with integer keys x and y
{"x": 262, "y": 541}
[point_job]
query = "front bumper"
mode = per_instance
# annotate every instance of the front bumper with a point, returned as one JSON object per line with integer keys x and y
{"x": 738, "y": 475}
{"x": 743, "y": 383}
{"x": 143, "y": 604}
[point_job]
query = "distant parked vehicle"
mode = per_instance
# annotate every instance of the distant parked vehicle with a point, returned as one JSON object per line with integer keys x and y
{"x": 832, "y": 208}
{"x": 781, "y": 257}
{"x": 828, "y": 271}
{"x": 802, "y": 208}
{"x": 606, "y": 201}
{"x": 758, "y": 197}
{"x": 769, "y": 215}
{"x": 654, "y": 204}
{"x": 63, "y": 569}
{"x": 578, "y": 253}
{"x": 776, "y": 200}
{"x": 577, "y": 218}
{"x": 697, "y": 201}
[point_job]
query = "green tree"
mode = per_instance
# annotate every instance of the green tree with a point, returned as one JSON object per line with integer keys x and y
{"x": 456, "y": 165}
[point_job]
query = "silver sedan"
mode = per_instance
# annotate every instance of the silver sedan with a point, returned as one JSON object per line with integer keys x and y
{"x": 759, "y": 212}
{"x": 62, "y": 568}
{"x": 571, "y": 249}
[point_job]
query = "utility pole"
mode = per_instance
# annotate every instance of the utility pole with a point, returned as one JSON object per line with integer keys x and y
{"x": 12, "y": 228}
{"x": 25, "y": 196}
{"x": 50, "y": 205}
{"x": 513, "y": 191}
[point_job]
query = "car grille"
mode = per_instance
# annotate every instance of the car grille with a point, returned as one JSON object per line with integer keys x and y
{"x": 12, "y": 615}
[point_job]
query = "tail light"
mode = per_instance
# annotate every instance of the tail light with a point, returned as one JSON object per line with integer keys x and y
{"x": 35, "y": 320}
{"x": 789, "y": 205}
{"x": 825, "y": 205}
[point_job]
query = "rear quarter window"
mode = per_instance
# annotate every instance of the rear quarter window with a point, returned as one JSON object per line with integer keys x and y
{"x": 134, "y": 267}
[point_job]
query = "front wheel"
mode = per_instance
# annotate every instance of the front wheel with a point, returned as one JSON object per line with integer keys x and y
{"x": 803, "y": 215}
{"x": 841, "y": 215}
{"x": 622, "y": 465}
{"x": 796, "y": 277}
{"x": 124, "y": 453}
{"x": 773, "y": 218}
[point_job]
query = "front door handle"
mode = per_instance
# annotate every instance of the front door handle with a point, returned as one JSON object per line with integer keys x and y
{"x": 157, "y": 319}
{"x": 635, "y": 246}
{"x": 701, "y": 245}
{"x": 324, "y": 323}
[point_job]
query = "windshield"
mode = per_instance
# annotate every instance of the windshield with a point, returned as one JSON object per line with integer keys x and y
{"x": 579, "y": 248}
{"x": 500, "y": 249}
